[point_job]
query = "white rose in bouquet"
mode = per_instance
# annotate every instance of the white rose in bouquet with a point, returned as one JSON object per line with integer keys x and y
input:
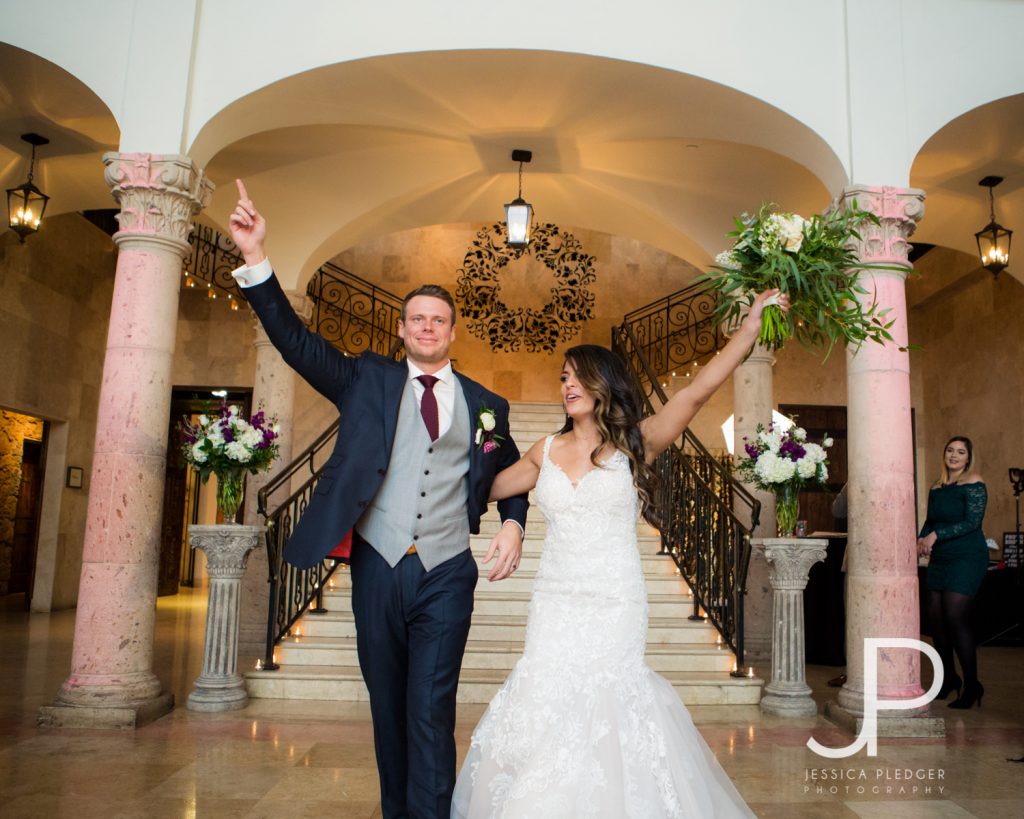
{"x": 197, "y": 453}
{"x": 791, "y": 231}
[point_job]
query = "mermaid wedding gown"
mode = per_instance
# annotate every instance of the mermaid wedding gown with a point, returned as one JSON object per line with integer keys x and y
{"x": 582, "y": 727}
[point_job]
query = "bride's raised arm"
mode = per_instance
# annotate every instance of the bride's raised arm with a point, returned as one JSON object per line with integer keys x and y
{"x": 667, "y": 424}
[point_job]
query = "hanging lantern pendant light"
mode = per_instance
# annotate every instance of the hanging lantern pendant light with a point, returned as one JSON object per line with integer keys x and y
{"x": 26, "y": 203}
{"x": 993, "y": 239}
{"x": 519, "y": 212}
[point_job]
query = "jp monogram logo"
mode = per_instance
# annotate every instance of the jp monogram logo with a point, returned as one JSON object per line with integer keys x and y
{"x": 869, "y": 730}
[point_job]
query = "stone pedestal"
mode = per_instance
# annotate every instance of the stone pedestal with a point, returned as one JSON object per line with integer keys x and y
{"x": 752, "y": 405}
{"x": 227, "y": 546}
{"x": 112, "y": 683}
{"x": 790, "y": 560}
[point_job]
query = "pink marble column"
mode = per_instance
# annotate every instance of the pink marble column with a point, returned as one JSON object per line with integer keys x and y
{"x": 273, "y": 392}
{"x": 882, "y": 594}
{"x": 112, "y": 683}
{"x": 753, "y": 399}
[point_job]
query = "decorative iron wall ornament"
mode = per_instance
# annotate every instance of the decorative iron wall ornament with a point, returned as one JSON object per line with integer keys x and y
{"x": 504, "y": 327}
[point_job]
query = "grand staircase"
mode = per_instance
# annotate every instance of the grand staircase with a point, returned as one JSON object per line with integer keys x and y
{"x": 317, "y": 659}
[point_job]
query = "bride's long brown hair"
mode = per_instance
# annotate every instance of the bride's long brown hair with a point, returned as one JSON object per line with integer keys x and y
{"x": 618, "y": 410}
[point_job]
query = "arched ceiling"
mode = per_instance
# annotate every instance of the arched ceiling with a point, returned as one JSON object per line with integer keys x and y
{"x": 341, "y": 154}
{"x": 38, "y": 96}
{"x": 983, "y": 142}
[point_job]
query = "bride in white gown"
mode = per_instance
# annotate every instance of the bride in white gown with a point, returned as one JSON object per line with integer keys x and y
{"x": 582, "y": 727}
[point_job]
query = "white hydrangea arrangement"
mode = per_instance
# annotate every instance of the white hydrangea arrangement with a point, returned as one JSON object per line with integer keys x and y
{"x": 784, "y": 462}
{"x": 226, "y": 445}
{"x": 813, "y": 261}
{"x": 779, "y": 457}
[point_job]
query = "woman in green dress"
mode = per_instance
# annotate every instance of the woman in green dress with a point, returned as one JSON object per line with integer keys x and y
{"x": 953, "y": 538}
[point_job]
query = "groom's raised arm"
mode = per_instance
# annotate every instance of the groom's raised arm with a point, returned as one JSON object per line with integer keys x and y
{"x": 325, "y": 367}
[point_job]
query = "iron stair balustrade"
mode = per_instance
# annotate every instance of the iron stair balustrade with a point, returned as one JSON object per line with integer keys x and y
{"x": 351, "y": 313}
{"x": 211, "y": 259}
{"x": 698, "y": 496}
{"x": 672, "y": 332}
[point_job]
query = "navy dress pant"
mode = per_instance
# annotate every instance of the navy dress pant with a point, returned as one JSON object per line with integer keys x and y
{"x": 411, "y": 630}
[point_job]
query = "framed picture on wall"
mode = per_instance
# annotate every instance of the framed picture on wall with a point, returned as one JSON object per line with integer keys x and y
{"x": 75, "y": 477}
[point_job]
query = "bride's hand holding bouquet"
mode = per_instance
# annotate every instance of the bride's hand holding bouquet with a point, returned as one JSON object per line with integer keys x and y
{"x": 814, "y": 263}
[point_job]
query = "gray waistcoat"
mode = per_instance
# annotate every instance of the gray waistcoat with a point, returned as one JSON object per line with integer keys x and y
{"x": 422, "y": 501}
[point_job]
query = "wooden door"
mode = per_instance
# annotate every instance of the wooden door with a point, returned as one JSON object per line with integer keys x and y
{"x": 26, "y": 519}
{"x": 819, "y": 421}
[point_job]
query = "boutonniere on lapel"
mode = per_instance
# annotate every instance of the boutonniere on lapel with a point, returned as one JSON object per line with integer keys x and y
{"x": 485, "y": 439}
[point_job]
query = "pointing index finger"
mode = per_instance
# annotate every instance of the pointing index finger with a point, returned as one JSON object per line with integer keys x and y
{"x": 242, "y": 194}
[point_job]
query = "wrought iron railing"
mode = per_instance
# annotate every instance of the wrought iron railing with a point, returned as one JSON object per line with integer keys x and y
{"x": 673, "y": 331}
{"x": 292, "y": 591}
{"x": 351, "y": 313}
{"x": 708, "y": 516}
{"x": 210, "y": 261}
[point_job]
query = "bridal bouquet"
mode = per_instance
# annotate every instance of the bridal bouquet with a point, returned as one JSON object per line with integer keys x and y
{"x": 812, "y": 261}
{"x": 226, "y": 445}
{"x": 784, "y": 462}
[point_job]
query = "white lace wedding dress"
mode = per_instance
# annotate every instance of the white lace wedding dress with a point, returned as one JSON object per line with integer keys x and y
{"x": 582, "y": 727}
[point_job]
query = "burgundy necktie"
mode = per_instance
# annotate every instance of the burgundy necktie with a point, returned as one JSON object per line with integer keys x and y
{"x": 428, "y": 404}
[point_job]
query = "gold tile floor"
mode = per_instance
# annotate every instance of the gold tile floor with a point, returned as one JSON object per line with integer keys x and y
{"x": 281, "y": 759}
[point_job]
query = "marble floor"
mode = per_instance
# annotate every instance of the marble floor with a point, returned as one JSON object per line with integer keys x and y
{"x": 290, "y": 759}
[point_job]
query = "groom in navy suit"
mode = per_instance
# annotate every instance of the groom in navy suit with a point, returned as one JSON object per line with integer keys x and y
{"x": 410, "y": 477}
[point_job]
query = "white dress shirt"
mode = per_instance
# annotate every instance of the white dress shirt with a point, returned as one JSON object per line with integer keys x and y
{"x": 251, "y": 276}
{"x": 444, "y": 392}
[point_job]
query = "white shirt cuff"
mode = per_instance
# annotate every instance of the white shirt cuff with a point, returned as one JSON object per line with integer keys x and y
{"x": 251, "y": 276}
{"x": 522, "y": 531}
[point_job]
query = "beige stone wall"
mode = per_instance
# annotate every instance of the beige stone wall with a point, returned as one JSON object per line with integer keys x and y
{"x": 968, "y": 378}
{"x": 214, "y": 346}
{"x": 15, "y": 429}
{"x": 55, "y": 293}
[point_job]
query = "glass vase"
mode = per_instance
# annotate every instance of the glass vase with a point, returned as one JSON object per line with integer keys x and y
{"x": 787, "y": 509}
{"x": 230, "y": 486}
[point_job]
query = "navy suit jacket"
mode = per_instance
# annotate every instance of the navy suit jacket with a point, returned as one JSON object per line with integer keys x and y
{"x": 367, "y": 392}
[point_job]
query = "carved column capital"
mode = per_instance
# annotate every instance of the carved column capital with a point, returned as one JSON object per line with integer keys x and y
{"x": 227, "y": 547}
{"x": 898, "y": 211}
{"x": 158, "y": 196}
{"x": 791, "y": 559}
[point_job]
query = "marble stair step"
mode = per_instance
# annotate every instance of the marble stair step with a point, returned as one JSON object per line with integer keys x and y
{"x": 653, "y": 565}
{"x": 335, "y": 651}
{"x": 498, "y": 601}
{"x": 478, "y": 685}
{"x": 677, "y": 630}
{"x": 522, "y": 581}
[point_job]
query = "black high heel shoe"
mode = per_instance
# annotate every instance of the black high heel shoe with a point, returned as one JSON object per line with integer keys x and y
{"x": 973, "y": 692}
{"x": 951, "y": 682}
